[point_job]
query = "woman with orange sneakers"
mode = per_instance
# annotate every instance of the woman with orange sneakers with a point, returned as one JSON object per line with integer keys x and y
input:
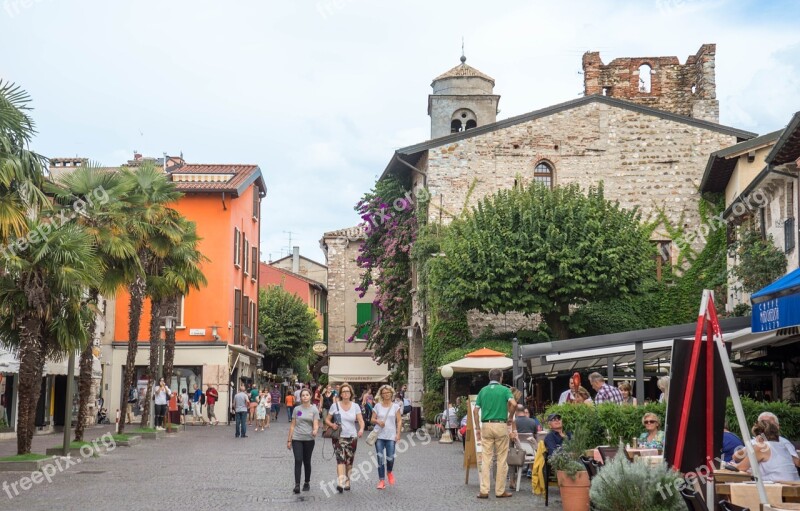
{"x": 388, "y": 419}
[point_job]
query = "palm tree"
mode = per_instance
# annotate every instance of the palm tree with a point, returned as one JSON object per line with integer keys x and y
{"x": 102, "y": 193}
{"x": 149, "y": 222}
{"x": 42, "y": 300}
{"x": 21, "y": 170}
{"x": 171, "y": 276}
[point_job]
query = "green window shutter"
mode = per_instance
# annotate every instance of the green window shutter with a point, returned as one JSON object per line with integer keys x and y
{"x": 363, "y": 315}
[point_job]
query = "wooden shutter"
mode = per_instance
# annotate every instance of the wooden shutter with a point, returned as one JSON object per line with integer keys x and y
{"x": 256, "y": 201}
{"x": 236, "y": 246}
{"x": 254, "y": 262}
{"x": 237, "y": 316}
{"x": 363, "y": 315}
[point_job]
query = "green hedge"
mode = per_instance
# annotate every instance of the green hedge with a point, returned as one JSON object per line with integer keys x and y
{"x": 607, "y": 423}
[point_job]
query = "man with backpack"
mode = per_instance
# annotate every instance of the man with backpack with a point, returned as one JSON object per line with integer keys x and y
{"x": 133, "y": 398}
{"x": 211, "y": 398}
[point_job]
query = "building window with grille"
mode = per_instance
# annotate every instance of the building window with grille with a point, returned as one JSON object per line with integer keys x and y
{"x": 543, "y": 173}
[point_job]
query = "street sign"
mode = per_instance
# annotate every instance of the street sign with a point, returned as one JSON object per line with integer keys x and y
{"x": 324, "y": 369}
{"x": 319, "y": 347}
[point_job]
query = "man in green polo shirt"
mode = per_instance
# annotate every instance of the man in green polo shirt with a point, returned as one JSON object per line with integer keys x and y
{"x": 494, "y": 406}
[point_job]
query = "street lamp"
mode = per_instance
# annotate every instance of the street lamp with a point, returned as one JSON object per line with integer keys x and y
{"x": 447, "y": 373}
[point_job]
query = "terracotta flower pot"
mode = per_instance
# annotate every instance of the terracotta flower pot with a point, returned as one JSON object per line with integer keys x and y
{"x": 574, "y": 492}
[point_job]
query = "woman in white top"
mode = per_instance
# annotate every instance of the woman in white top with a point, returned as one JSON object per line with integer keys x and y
{"x": 388, "y": 419}
{"x": 267, "y": 397}
{"x": 774, "y": 459}
{"x": 345, "y": 415}
{"x": 161, "y": 396}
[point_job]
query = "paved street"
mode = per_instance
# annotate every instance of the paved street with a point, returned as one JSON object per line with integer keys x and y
{"x": 185, "y": 472}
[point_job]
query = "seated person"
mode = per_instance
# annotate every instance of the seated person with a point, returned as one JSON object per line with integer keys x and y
{"x": 582, "y": 396}
{"x": 555, "y": 438}
{"x": 774, "y": 459}
{"x": 730, "y": 443}
{"x": 771, "y": 417}
{"x": 653, "y": 437}
{"x": 525, "y": 425}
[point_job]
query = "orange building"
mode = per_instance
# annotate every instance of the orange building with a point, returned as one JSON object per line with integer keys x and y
{"x": 217, "y": 325}
{"x": 313, "y": 293}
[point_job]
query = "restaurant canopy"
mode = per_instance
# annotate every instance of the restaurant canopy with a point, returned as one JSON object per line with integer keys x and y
{"x": 613, "y": 351}
{"x": 777, "y": 306}
{"x": 480, "y": 360}
{"x": 356, "y": 369}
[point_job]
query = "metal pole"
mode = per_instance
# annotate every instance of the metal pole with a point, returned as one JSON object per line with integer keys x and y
{"x": 68, "y": 402}
{"x": 640, "y": 372}
{"x": 611, "y": 371}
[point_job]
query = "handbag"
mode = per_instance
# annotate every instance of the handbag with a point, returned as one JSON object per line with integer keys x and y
{"x": 516, "y": 456}
{"x": 331, "y": 433}
{"x": 372, "y": 438}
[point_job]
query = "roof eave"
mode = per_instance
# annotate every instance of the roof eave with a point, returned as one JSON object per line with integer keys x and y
{"x": 794, "y": 125}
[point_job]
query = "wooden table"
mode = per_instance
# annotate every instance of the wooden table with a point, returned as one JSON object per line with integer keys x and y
{"x": 790, "y": 492}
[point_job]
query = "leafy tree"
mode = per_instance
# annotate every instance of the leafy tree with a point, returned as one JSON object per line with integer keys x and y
{"x": 385, "y": 256}
{"x": 537, "y": 250}
{"x": 289, "y": 327}
{"x": 760, "y": 261}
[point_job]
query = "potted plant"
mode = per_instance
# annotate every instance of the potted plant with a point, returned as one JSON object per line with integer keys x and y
{"x": 573, "y": 480}
{"x": 639, "y": 486}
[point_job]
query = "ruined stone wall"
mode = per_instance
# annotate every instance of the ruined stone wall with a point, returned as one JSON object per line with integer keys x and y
{"x": 685, "y": 89}
{"x": 644, "y": 161}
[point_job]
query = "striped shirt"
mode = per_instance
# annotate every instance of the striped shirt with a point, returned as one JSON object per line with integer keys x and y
{"x": 608, "y": 394}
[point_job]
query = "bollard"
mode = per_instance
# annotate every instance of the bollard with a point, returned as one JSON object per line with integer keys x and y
{"x": 116, "y": 422}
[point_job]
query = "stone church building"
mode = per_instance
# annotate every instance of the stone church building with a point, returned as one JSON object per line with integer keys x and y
{"x": 645, "y": 127}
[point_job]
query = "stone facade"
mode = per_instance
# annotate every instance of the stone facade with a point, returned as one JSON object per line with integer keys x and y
{"x": 685, "y": 89}
{"x": 341, "y": 250}
{"x": 644, "y": 161}
{"x": 463, "y": 98}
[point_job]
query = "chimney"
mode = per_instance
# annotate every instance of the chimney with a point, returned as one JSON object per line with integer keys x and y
{"x": 137, "y": 156}
{"x": 296, "y": 260}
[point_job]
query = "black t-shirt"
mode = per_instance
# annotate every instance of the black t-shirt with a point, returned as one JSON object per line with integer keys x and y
{"x": 526, "y": 425}
{"x": 327, "y": 402}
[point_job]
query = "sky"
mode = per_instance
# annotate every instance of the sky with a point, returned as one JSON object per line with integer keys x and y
{"x": 319, "y": 93}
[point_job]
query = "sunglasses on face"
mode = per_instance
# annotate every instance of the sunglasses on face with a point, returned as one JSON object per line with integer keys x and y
{"x": 651, "y": 422}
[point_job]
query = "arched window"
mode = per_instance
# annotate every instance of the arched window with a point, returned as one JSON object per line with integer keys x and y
{"x": 543, "y": 173}
{"x": 645, "y": 72}
{"x": 463, "y": 119}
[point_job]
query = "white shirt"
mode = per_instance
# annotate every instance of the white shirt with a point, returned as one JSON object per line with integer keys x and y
{"x": 162, "y": 397}
{"x": 389, "y": 431}
{"x": 779, "y": 466}
{"x": 565, "y": 395}
{"x": 349, "y": 419}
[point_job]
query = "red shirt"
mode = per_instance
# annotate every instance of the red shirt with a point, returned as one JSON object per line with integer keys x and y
{"x": 211, "y": 396}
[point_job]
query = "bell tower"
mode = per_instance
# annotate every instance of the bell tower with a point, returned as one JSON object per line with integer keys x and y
{"x": 463, "y": 98}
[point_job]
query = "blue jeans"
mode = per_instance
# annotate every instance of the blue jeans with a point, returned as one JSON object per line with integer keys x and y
{"x": 241, "y": 424}
{"x": 289, "y": 410}
{"x": 388, "y": 446}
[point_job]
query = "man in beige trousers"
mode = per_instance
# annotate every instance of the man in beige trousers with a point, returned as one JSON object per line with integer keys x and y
{"x": 493, "y": 411}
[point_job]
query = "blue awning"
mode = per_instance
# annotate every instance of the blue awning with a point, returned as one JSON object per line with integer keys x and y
{"x": 777, "y": 305}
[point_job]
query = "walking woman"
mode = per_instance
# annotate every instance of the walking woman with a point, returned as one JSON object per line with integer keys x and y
{"x": 388, "y": 419}
{"x": 268, "y": 405}
{"x": 261, "y": 409}
{"x": 345, "y": 414}
{"x": 161, "y": 398}
{"x": 302, "y": 432}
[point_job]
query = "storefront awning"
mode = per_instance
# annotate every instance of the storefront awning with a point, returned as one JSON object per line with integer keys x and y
{"x": 777, "y": 305}
{"x": 356, "y": 370}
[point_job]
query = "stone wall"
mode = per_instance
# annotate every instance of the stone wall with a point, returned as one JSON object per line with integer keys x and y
{"x": 500, "y": 323}
{"x": 686, "y": 89}
{"x": 644, "y": 161}
{"x": 343, "y": 277}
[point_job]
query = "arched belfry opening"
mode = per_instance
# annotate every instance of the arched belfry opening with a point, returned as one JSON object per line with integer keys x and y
{"x": 463, "y": 119}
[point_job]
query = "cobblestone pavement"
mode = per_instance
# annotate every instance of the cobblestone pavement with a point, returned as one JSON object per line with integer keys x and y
{"x": 207, "y": 468}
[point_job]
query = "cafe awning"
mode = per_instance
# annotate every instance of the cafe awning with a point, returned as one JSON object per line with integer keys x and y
{"x": 480, "y": 360}
{"x": 356, "y": 369}
{"x": 777, "y": 306}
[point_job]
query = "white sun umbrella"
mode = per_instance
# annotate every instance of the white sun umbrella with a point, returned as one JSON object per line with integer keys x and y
{"x": 481, "y": 360}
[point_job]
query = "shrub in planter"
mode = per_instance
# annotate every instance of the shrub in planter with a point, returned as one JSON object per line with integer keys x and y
{"x": 624, "y": 486}
{"x": 573, "y": 480}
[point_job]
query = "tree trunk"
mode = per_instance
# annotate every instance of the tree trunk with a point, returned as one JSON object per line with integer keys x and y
{"x": 557, "y": 321}
{"x": 171, "y": 306}
{"x": 85, "y": 378}
{"x": 31, "y": 366}
{"x": 155, "y": 334}
{"x": 84, "y": 387}
{"x": 137, "y": 289}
